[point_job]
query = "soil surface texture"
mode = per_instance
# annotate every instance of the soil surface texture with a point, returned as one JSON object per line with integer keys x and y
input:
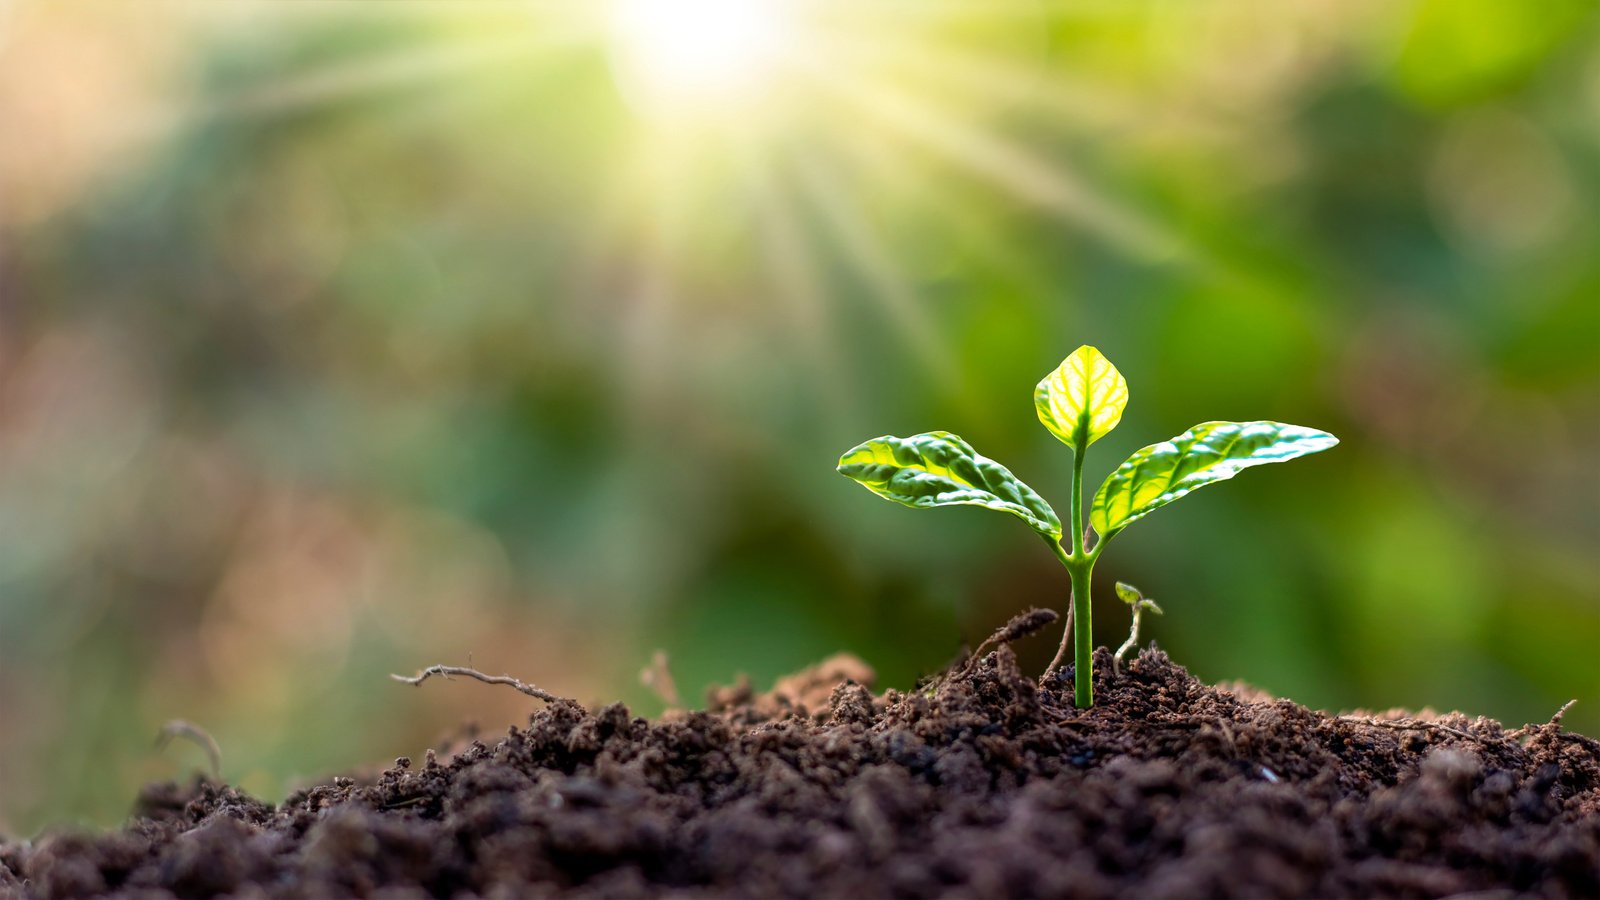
{"x": 978, "y": 784}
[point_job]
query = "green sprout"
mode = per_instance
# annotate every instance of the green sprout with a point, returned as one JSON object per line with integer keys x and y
{"x": 1141, "y": 604}
{"x": 1080, "y": 402}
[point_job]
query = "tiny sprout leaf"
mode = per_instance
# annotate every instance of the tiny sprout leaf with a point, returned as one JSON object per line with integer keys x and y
{"x": 1211, "y": 451}
{"x": 940, "y": 469}
{"x": 1131, "y": 595}
{"x": 1082, "y": 400}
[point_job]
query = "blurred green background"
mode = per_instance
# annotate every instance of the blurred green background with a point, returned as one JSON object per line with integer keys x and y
{"x": 339, "y": 339}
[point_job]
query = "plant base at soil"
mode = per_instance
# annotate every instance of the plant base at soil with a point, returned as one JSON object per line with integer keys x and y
{"x": 980, "y": 785}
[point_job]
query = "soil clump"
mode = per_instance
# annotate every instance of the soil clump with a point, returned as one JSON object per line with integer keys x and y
{"x": 981, "y": 783}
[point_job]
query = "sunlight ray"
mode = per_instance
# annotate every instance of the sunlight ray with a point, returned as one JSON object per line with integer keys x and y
{"x": 993, "y": 9}
{"x": 608, "y": 233}
{"x": 1026, "y": 177}
{"x": 883, "y": 165}
{"x": 995, "y": 82}
{"x": 1004, "y": 165}
{"x": 399, "y": 69}
{"x": 646, "y": 316}
{"x": 794, "y": 269}
{"x": 871, "y": 260}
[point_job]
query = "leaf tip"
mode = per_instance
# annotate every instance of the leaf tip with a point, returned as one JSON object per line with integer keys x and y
{"x": 1323, "y": 440}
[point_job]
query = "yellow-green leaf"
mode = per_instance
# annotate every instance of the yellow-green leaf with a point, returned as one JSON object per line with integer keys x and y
{"x": 941, "y": 469}
{"x": 1211, "y": 451}
{"x": 1082, "y": 400}
{"x": 1131, "y": 595}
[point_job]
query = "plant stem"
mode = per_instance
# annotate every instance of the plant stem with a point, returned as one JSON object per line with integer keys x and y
{"x": 1080, "y": 631}
{"x": 1082, "y": 634}
{"x": 1079, "y": 563}
{"x": 1077, "y": 501}
{"x": 1131, "y": 642}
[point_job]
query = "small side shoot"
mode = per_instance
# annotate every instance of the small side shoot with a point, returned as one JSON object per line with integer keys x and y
{"x": 1141, "y": 604}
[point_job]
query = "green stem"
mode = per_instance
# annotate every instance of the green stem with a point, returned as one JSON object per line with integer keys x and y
{"x": 1077, "y": 500}
{"x": 1079, "y": 563}
{"x": 1079, "y": 567}
{"x": 1082, "y": 636}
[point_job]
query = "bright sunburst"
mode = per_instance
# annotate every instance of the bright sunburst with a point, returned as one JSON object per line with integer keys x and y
{"x": 778, "y": 132}
{"x": 697, "y": 56}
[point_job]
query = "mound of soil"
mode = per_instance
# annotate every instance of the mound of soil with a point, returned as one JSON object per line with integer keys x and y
{"x": 980, "y": 784}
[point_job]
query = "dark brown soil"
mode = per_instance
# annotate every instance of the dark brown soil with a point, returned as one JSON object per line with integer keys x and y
{"x": 983, "y": 785}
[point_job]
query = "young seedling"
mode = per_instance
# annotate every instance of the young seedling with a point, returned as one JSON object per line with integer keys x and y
{"x": 1130, "y": 595}
{"x": 1080, "y": 402}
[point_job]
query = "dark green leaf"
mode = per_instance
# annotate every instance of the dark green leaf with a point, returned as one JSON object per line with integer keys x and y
{"x": 1211, "y": 451}
{"x": 940, "y": 469}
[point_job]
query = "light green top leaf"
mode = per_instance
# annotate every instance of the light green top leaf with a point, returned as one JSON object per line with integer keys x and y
{"x": 1130, "y": 595}
{"x": 1082, "y": 400}
{"x": 941, "y": 469}
{"x": 1211, "y": 451}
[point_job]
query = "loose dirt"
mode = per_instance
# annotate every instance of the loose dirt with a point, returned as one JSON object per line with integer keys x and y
{"x": 981, "y": 784}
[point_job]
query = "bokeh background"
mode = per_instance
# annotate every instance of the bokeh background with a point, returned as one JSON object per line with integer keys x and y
{"x": 338, "y": 339}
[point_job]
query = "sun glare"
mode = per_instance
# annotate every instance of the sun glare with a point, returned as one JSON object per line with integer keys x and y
{"x": 700, "y": 55}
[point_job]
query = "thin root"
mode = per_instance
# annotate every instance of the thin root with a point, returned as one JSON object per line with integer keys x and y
{"x": 1020, "y": 626}
{"x": 1413, "y": 725}
{"x": 1554, "y": 725}
{"x": 446, "y": 671}
{"x": 411, "y": 801}
{"x": 198, "y": 736}
{"x": 1061, "y": 652}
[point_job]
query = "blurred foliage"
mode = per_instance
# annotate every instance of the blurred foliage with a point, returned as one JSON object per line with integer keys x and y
{"x": 339, "y": 339}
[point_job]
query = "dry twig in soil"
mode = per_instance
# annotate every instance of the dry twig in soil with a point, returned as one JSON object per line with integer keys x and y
{"x": 447, "y": 671}
{"x": 1554, "y": 726}
{"x": 1061, "y": 651}
{"x": 198, "y": 736}
{"x": 658, "y": 678}
{"x": 1020, "y": 626}
{"x": 1412, "y": 725}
